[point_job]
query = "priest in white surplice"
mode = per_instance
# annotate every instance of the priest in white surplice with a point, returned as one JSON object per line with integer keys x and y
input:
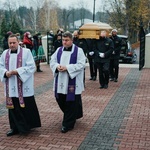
{"x": 17, "y": 69}
{"x": 67, "y": 64}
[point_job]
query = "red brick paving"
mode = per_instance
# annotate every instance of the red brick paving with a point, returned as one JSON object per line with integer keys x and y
{"x": 48, "y": 137}
{"x": 137, "y": 126}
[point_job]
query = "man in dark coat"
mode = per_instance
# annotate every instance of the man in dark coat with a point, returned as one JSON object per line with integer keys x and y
{"x": 114, "y": 61}
{"x": 103, "y": 48}
{"x": 58, "y": 42}
{"x": 5, "y": 40}
{"x": 82, "y": 43}
{"x": 90, "y": 56}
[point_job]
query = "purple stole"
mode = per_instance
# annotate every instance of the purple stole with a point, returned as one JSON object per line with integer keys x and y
{"x": 72, "y": 82}
{"x": 9, "y": 102}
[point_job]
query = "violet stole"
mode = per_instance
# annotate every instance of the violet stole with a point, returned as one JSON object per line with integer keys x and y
{"x": 72, "y": 82}
{"x": 9, "y": 103}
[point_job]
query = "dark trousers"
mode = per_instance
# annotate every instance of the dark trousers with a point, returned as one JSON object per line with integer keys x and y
{"x": 103, "y": 68}
{"x": 72, "y": 110}
{"x": 114, "y": 68}
{"x": 93, "y": 68}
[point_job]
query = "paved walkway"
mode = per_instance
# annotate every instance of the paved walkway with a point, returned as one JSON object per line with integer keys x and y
{"x": 117, "y": 118}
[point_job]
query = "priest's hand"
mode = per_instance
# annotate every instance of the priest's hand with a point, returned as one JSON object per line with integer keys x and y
{"x": 14, "y": 72}
{"x": 61, "y": 68}
{"x": 8, "y": 74}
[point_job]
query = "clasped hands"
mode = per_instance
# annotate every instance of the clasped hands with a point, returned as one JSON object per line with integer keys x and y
{"x": 61, "y": 68}
{"x": 10, "y": 73}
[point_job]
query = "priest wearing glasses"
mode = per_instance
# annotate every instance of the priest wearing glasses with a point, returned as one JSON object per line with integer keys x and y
{"x": 17, "y": 69}
{"x": 67, "y": 65}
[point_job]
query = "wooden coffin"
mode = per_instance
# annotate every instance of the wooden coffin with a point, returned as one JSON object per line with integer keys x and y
{"x": 92, "y": 30}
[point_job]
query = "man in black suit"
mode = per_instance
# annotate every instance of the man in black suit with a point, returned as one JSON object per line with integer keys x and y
{"x": 114, "y": 60}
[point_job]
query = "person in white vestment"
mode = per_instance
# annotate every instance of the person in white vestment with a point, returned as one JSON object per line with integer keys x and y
{"x": 17, "y": 69}
{"x": 67, "y": 65}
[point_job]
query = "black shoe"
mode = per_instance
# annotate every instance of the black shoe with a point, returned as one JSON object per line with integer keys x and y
{"x": 115, "y": 80}
{"x": 91, "y": 78}
{"x": 111, "y": 79}
{"x": 105, "y": 86}
{"x": 64, "y": 129}
{"x": 39, "y": 70}
{"x": 94, "y": 78}
{"x": 12, "y": 132}
{"x": 101, "y": 87}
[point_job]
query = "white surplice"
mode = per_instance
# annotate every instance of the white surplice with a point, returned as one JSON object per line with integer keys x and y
{"x": 73, "y": 70}
{"x": 26, "y": 72}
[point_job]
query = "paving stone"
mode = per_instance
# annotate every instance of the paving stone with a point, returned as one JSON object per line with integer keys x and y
{"x": 116, "y": 118}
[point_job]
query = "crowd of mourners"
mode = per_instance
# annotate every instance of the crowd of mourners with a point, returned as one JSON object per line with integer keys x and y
{"x": 108, "y": 46}
{"x": 32, "y": 42}
{"x": 102, "y": 54}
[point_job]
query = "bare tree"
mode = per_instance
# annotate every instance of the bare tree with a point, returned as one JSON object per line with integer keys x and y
{"x": 103, "y": 10}
{"x": 34, "y": 12}
{"x": 48, "y": 16}
{"x": 126, "y": 14}
{"x": 82, "y": 6}
{"x": 10, "y": 6}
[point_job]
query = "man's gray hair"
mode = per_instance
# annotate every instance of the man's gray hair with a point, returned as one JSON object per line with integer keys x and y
{"x": 114, "y": 30}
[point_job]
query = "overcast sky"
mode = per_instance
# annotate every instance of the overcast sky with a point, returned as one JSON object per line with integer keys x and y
{"x": 66, "y": 3}
{"x": 75, "y": 3}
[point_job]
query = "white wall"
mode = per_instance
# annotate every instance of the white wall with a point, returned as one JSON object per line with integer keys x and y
{"x": 147, "y": 51}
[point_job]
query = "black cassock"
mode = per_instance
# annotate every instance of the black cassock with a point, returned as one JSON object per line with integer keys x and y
{"x": 72, "y": 110}
{"x": 24, "y": 119}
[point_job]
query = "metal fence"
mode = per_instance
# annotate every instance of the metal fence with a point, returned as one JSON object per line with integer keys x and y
{"x": 1, "y": 47}
{"x": 50, "y": 47}
{"x": 142, "y": 47}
